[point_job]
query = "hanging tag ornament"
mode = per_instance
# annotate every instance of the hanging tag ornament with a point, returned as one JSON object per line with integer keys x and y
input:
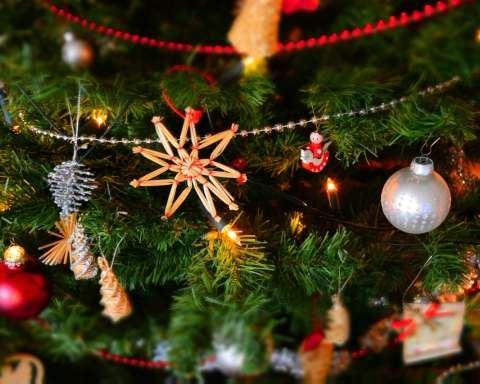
{"x": 314, "y": 156}
{"x": 430, "y": 330}
{"x": 416, "y": 199}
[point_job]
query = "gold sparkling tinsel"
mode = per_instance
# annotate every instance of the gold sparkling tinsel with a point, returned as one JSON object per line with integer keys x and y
{"x": 114, "y": 298}
{"x": 255, "y": 30}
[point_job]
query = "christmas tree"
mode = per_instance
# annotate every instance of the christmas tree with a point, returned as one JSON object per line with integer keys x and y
{"x": 260, "y": 191}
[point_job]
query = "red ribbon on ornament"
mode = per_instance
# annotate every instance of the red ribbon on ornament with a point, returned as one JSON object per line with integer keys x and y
{"x": 196, "y": 114}
{"x": 408, "y": 326}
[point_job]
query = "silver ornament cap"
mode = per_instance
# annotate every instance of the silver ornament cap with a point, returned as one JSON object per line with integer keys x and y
{"x": 416, "y": 199}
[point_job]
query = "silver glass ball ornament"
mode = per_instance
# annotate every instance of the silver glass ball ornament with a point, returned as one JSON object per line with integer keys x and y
{"x": 77, "y": 53}
{"x": 416, "y": 199}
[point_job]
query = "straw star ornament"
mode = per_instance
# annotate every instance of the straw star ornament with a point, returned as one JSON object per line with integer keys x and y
{"x": 198, "y": 174}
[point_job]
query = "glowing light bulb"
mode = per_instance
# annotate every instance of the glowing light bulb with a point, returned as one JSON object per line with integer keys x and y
{"x": 99, "y": 117}
{"x": 331, "y": 186}
{"x": 231, "y": 234}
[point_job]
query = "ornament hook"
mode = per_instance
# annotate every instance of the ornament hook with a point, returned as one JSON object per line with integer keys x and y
{"x": 422, "y": 150}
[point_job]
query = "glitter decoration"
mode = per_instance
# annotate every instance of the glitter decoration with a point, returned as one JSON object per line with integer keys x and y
{"x": 71, "y": 184}
{"x": 82, "y": 261}
{"x": 416, "y": 199}
{"x": 288, "y": 361}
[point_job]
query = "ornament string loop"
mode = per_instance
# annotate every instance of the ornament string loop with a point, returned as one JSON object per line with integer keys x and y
{"x": 422, "y": 150}
{"x": 195, "y": 114}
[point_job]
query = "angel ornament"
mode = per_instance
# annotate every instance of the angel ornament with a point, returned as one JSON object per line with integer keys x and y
{"x": 314, "y": 155}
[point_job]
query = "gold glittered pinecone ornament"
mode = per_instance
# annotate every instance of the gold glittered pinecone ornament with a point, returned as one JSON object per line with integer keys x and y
{"x": 115, "y": 300}
{"x": 72, "y": 246}
{"x": 82, "y": 261}
{"x": 255, "y": 30}
{"x": 316, "y": 358}
{"x": 338, "y": 329}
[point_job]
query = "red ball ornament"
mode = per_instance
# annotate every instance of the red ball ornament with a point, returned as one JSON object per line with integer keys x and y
{"x": 24, "y": 290}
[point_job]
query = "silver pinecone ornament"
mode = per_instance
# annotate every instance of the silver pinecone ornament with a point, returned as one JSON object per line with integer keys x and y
{"x": 82, "y": 261}
{"x": 416, "y": 199}
{"x": 71, "y": 184}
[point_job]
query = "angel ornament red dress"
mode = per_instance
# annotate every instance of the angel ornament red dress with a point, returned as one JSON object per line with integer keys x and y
{"x": 314, "y": 156}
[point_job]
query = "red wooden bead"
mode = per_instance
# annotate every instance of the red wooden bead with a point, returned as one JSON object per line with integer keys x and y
{"x": 332, "y": 38}
{"x": 392, "y": 22}
{"x": 381, "y": 25}
{"x": 357, "y": 32}
{"x": 429, "y": 10}
{"x": 368, "y": 28}
{"x": 417, "y": 15}
{"x": 404, "y": 18}
{"x": 441, "y": 6}
{"x": 322, "y": 40}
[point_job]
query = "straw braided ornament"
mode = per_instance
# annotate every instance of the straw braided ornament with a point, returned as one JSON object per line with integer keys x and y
{"x": 198, "y": 174}
{"x": 114, "y": 298}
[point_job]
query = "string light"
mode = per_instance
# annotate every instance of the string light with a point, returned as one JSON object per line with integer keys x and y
{"x": 100, "y": 117}
{"x": 231, "y": 234}
{"x": 331, "y": 186}
{"x": 332, "y": 195}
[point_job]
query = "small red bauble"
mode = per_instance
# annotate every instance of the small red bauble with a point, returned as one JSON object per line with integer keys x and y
{"x": 240, "y": 163}
{"x": 24, "y": 290}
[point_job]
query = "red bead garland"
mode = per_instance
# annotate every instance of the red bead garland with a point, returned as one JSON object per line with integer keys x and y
{"x": 369, "y": 29}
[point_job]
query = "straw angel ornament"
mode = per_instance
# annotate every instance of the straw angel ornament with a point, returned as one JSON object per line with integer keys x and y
{"x": 199, "y": 174}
